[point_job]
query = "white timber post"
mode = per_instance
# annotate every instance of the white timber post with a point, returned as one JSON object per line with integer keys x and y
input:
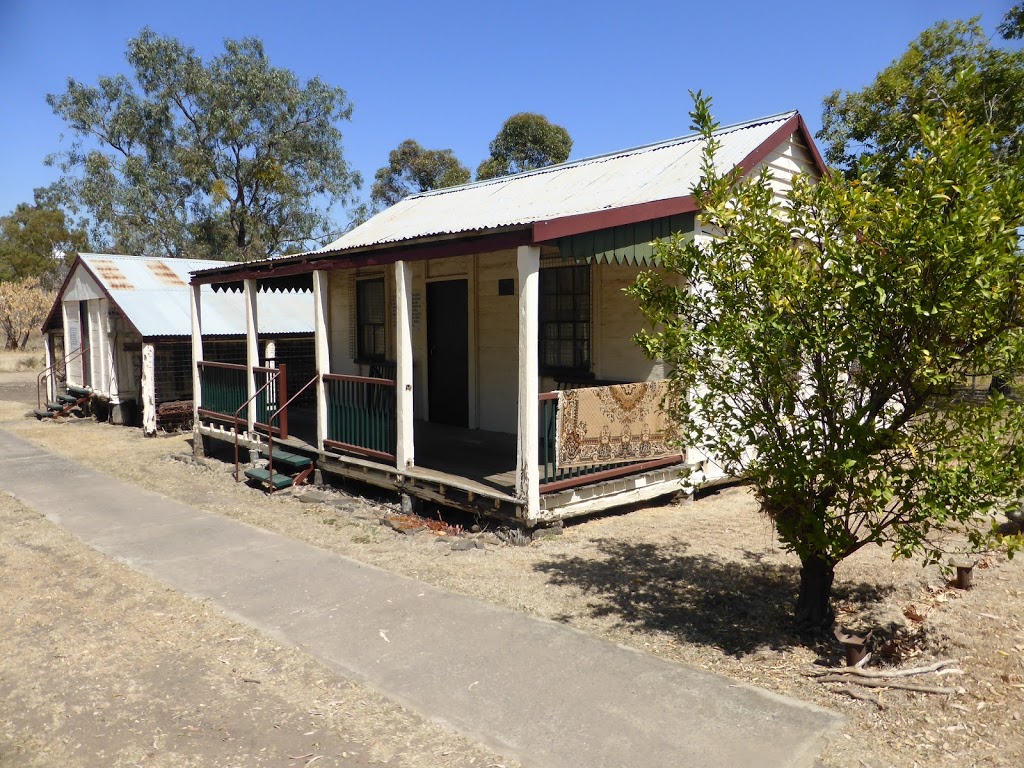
{"x": 322, "y": 350}
{"x": 527, "y": 455}
{"x": 197, "y": 354}
{"x": 252, "y": 351}
{"x": 71, "y": 335}
{"x": 51, "y": 389}
{"x": 148, "y": 390}
{"x": 113, "y": 385}
{"x": 404, "y": 444}
{"x": 270, "y": 361}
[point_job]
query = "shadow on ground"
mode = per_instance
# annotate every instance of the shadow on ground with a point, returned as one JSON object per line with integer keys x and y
{"x": 738, "y": 606}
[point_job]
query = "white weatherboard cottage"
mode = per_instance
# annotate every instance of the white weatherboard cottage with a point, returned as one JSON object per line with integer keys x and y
{"x": 121, "y": 328}
{"x": 473, "y": 344}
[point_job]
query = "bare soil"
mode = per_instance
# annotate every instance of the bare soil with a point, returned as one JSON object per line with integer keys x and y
{"x": 704, "y": 584}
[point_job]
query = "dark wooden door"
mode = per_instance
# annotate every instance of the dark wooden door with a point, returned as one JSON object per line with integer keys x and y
{"x": 448, "y": 352}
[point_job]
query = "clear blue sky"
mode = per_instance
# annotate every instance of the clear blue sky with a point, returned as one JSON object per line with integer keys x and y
{"x": 447, "y": 74}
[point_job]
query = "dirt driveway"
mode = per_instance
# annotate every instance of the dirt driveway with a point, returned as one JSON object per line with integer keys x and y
{"x": 703, "y": 584}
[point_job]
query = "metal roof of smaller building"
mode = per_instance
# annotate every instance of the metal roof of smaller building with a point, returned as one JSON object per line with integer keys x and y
{"x": 154, "y": 294}
{"x": 645, "y": 174}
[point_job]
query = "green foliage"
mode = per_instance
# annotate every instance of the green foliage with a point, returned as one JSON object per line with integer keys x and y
{"x": 526, "y": 141}
{"x": 1012, "y": 27}
{"x": 37, "y": 241}
{"x": 411, "y": 168}
{"x": 225, "y": 158}
{"x": 951, "y": 66}
{"x": 815, "y": 344}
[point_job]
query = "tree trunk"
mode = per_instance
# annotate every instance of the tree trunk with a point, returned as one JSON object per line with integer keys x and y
{"x": 814, "y": 614}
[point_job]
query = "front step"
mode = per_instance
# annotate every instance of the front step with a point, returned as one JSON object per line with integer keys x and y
{"x": 262, "y": 476}
{"x": 293, "y": 461}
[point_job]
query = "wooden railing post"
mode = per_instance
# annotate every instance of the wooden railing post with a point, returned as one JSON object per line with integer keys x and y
{"x": 252, "y": 350}
{"x": 282, "y": 398}
{"x": 322, "y": 350}
{"x": 404, "y": 443}
{"x": 197, "y": 355}
{"x": 527, "y": 455}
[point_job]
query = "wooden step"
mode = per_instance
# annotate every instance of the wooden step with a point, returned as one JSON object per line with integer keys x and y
{"x": 55, "y": 406}
{"x": 41, "y": 414}
{"x": 285, "y": 458}
{"x": 79, "y": 391}
{"x": 279, "y": 481}
{"x": 67, "y": 398}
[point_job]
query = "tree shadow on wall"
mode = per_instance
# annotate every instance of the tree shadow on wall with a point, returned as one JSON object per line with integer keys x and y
{"x": 738, "y": 606}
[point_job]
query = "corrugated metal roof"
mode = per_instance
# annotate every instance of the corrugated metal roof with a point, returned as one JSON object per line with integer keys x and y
{"x": 154, "y": 295}
{"x": 645, "y": 174}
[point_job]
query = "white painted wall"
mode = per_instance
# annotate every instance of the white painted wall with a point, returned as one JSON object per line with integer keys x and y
{"x": 790, "y": 158}
{"x": 497, "y": 342}
{"x": 617, "y": 317}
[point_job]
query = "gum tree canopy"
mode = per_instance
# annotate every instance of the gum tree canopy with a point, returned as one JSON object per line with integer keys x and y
{"x": 226, "y": 158}
{"x": 951, "y": 66}
{"x": 411, "y": 168}
{"x": 830, "y": 334}
{"x": 526, "y": 141}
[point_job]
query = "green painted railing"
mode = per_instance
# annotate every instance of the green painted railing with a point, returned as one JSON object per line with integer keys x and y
{"x": 270, "y": 398}
{"x": 555, "y": 478}
{"x": 223, "y": 387}
{"x": 361, "y": 415}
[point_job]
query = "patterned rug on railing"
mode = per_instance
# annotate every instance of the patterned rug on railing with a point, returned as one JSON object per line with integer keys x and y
{"x": 614, "y": 424}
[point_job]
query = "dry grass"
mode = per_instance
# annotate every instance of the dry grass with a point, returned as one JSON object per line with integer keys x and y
{"x": 14, "y": 361}
{"x": 101, "y": 666}
{"x": 704, "y": 584}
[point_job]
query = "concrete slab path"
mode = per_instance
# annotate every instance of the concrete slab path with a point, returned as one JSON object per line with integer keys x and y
{"x": 546, "y": 694}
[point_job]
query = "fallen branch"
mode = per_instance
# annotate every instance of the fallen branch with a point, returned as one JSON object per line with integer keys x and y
{"x": 872, "y": 683}
{"x": 853, "y": 693}
{"x": 883, "y": 673}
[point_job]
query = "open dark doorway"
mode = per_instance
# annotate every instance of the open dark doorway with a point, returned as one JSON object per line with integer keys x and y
{"x": 448, "y": 352}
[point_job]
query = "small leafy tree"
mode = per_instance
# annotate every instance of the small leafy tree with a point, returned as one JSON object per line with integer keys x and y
{"x": 411, "y": 168}
{"x": 23, "y": 306}
{"x": 526, "y": 141}
{"x": 816, "y": 347}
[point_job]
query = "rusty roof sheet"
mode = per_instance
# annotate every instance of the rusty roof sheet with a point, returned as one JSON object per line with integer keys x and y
{"x": 154, "y": 294}
{"x": 645, "y": 174}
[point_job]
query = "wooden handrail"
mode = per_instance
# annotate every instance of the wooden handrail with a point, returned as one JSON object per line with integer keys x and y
{"x": 39, "y": 378}
{"x": 229, "y": 366}
{"x": 283, "y": 409}
{"x": 270, "y": 380}
{"x": 358, "y": 379}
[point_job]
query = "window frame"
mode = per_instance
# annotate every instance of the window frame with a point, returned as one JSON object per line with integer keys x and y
{"x": 380, "y": 339}
{"x": 557, "y": 308}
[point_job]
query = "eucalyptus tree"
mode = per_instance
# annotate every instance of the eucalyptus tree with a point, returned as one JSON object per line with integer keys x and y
{"x": 229, "y": 157}
{"x": 526, "y": 141}
{"x": 412, "y": 168}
